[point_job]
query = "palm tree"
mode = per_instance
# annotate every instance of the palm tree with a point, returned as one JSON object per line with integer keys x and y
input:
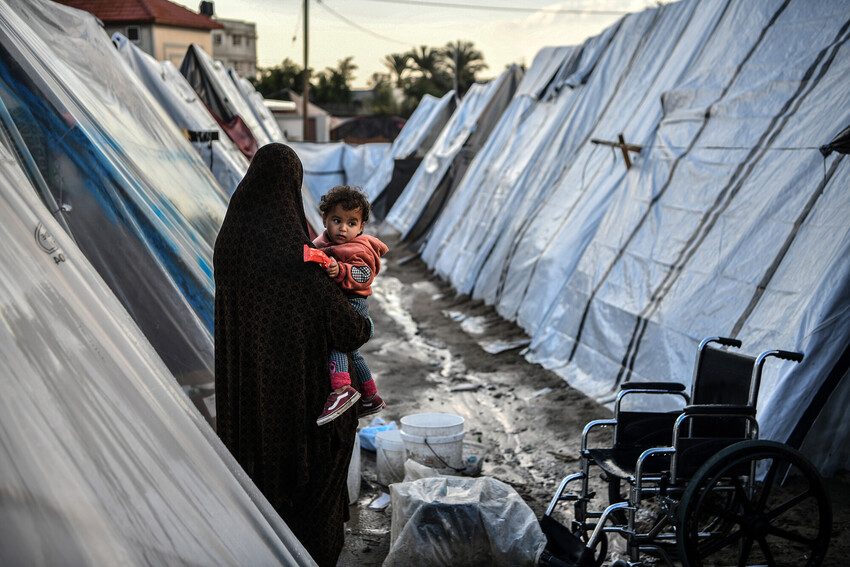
{"x": 463, "y": 61}
{"x": 427, "y": 60}
{"x": 398, "y": 64}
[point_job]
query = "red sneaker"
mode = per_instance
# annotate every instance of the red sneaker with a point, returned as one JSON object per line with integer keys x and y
{"x": 369, "y": 405}
{"x": 337, "y": 403}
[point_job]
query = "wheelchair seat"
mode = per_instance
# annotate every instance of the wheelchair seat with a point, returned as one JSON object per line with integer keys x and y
{"x": 636, "y": 432}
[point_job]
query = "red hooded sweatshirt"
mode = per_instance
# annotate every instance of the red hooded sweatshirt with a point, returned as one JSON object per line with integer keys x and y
{"x": 359, "y": 261}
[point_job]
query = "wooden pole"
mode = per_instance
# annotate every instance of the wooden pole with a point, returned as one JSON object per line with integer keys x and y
{"x": 306, "y": 92}
{"x": 624, "y": 147}
{"x": 456, "y": 77}
{"x": 624, "y": 150}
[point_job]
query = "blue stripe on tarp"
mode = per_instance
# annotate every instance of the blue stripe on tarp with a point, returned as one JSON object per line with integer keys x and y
{"x": 104, "y": 181}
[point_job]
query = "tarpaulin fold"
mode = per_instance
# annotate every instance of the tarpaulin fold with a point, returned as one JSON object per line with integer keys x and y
{"x": 726, "y": 223}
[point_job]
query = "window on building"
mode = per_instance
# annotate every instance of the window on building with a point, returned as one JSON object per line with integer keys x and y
{"x": 237, "y": 40}
{"x": 217, "y": 39}
{"x": 133, "y": 33}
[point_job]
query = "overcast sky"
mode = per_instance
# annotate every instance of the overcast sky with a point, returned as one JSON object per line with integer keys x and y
{"x": 503, "y": 37}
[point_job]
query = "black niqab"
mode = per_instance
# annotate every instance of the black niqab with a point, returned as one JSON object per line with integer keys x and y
{"x": 276, "y": 320}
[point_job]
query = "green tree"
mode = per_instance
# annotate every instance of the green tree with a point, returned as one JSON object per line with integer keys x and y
{"x": 428, "y": 76}
{"x": 383, "y": 100}
{"x": 333, "y": 85}
{"x": 428, "y": 61}
{"x": 398, "y": 64}
{"x": 275, "y": 81}
{"x": 463, "y": 61}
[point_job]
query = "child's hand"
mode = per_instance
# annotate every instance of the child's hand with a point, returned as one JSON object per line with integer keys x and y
{"x": 333, "y": 269}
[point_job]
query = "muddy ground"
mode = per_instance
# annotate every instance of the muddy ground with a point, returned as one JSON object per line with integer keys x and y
{"x": 427, "y": 355}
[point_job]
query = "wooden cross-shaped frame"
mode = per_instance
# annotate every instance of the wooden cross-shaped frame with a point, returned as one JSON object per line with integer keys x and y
{"x": 624, "y": 147}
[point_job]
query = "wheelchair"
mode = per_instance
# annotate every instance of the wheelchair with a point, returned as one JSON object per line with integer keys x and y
{"x": 702, "y": 488}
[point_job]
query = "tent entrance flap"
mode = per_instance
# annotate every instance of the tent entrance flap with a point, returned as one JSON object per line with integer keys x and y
{"x": 403, "y": 170}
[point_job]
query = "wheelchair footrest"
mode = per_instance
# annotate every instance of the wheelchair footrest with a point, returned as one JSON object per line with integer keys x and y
{"x": 563, "y": 548}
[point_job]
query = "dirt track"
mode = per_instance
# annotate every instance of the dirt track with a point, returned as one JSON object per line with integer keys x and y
{"x": 426, "y": 356}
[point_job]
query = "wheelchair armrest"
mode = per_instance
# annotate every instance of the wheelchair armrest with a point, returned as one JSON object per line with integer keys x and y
{"x": 593, "y": 425}
{"x": 661, "y": 386}
{"x": 650, "y": 389}
{"x": 655, "y": 451}
{"x": 719, "y": 409}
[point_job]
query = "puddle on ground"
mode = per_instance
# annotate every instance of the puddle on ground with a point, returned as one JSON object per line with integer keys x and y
{"x": 495, "y": 346}
{"x": 387, "y": 291}
{"x": 476, "y": 325}
{"x": 456, "y": 316}
{"x": 426, "y": 287}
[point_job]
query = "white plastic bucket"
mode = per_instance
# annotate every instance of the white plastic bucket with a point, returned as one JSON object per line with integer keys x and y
{"x": 434, "y": 440}
{"x": 390, "y": 456}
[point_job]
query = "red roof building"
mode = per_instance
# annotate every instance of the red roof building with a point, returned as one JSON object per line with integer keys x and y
{"x": 159, "y": 27}
{"x": 161, "y": 12}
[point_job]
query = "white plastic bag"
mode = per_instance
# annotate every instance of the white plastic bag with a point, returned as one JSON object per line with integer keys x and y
{"x": 462, "y": 522}
{"x": 354, "y": 473}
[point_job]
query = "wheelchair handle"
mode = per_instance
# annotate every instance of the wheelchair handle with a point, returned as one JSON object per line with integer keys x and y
{"x": 781, "y": 354}
{"x": 789, "y": 355}
{"x": 734, "y": 343}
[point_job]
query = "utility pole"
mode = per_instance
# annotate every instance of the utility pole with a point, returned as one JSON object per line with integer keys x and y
{"x": 456, "y": 78}
{"x": 306, "y": 92}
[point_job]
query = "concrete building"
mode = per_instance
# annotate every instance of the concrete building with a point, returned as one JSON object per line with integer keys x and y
{"x": 159, "y": 27}
{"x": 291, "y": 121}
{"x": 235, "y": 45}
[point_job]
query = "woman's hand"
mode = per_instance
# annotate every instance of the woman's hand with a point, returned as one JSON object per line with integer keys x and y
{"x": 333, "y": 269}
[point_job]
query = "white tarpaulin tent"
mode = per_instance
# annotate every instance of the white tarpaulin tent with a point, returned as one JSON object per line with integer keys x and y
{"x": 165, "y": 83}
{"x": 417, "y": 136}
{"x": 136, "y": 196}
{"x": 728, "y": 223}
{"x": 254, "y": 100}
{"x": 421, "y": 188}
{"x": 234, "y": 95}
{"x": 181, "y": 102}
{"x": 224, "y": 100}
{"x": 104, "y": 459}
{"x": 326, "y": 165}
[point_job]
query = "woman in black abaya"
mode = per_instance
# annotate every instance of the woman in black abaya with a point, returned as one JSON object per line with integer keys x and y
{"x": 276, "y": 319}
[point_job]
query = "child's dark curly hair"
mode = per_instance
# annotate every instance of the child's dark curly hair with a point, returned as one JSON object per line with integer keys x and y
{"x": 351, "y": 198}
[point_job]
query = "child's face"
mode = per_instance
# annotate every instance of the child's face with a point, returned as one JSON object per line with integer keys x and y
{"x": 343, "y": 225}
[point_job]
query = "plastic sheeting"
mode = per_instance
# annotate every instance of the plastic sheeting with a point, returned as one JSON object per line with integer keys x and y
{"x": 104, "y": 460}
{"x": 254, "y": 100}
{"x": 727, "y": 223}
{"x": 177, "y": 97}
{"x": 327, "y": 165}
{"x": 234, "y": 97}
{"x": 139, "y": 201}
{"x": 487, "y": 123}
{"x": 421, "y": 189}
{"x": 462, "y": 521}
{"x": 506, "y": 155}
{"x": 417, "y": 136}
{"x": 181, "y": 102}
{"x": 210, "y": 81}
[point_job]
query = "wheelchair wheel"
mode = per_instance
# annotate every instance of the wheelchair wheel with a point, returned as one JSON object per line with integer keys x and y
{"x": 779, "y": 516}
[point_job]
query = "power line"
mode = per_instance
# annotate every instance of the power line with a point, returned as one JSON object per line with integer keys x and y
{"x": 359, "y": 27}
{"x": 456, "y": 5}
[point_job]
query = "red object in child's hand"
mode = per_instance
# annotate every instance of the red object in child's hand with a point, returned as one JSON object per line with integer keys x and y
{"x": 317, "y": 256}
